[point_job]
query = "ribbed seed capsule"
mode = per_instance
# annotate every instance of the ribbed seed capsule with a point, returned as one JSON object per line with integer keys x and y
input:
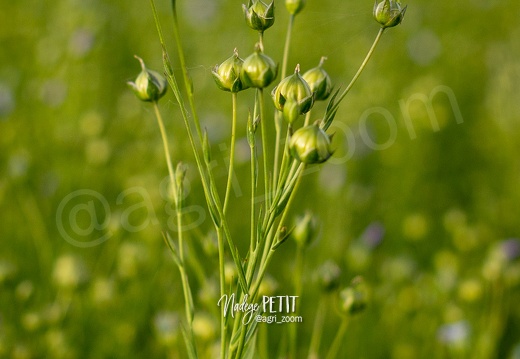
{"x": 227, "y": 74}
{"x": 149, "y": 85}
{"x": 354, "y": 299}
{"x": 319, "y": 81}
{"x": 329, "y": 276}
{"x": 293, "y": 92}
{"x": 259, "y": 15}
{"x": 258, "y": 70}
{"x": 304, "y": 230}
{"x": 310, "y": 144}
{"x": 389, "y": 13}
{"x": 294, "y": 6}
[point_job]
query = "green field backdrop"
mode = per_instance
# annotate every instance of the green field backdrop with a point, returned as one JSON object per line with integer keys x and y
{"x": 421, "y": 197}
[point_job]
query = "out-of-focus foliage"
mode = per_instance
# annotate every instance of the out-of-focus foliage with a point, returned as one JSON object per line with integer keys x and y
{"x": 421, "y": 196}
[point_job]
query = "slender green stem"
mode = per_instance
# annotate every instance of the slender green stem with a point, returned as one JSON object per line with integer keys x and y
{"x": 208, "y": 182}
{"x": 292, "y": 187}
{"x": 267, "y": 247}
{"x": 298, "y": 273}
{"x": 252, "y": 244}
{"x": 278, "y": 136}
{"x": 287, "y": 191}
{"x": 172, "y": 81}
{"x": 338, "y": 339}
{"x": 232, "y": 152}
{"x": 261, "y": 40}
{"x": 222, "y": 278}
{"x": 263, "y": 342}
{"x": 178, "y": 203}
{"x": 260, "y": 99}
{"x": 317, "y": 330}
{"x": 166, "y": 149}
{"x": 361, "y": 68}
{"x": 287, "y": 45}
{"x": 285, "y": 158}
{"x": 494, "y": 319}
{"x": 188, "y": 83}
{"x": 363, "y": 64}
{"x": 307, "y": 118}
{"x": 278, "y": 116}
{"x": 225, "y": 226}
{"x": 241, "y": 343}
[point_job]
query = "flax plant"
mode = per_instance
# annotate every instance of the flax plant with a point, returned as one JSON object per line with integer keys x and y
{"x": 273, "y": 176}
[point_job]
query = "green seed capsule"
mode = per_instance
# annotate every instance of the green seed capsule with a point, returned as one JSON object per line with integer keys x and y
{"x": 319, "y": 81}
{"x": 149, "y": 85}
{"x": 354, "y": 299}
{"x": 259, "y": 15}
{"x": 389, "y": 13}
{"x": 294, "y": 6}
{"x": 258, "y": 70}
{"x": 227, "y": 74}
{"x": 329, "y": 275}
{"x": 293, "y": 91}
{"x": 310, "y": 144}
{"x": 305, "y": 229}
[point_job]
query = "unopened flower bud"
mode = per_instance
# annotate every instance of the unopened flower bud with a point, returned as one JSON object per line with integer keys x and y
{"x": 310, "y": 144}
{"x": 389, "y": 13}
{"x": 291, "y": 111}
{"x": 227, "y": 74}
{"x": 180, "y": 173}
{"x": 294, "y": 91}
{"x": 305, "y": 229}
{"x": 149, "y": 85}
{"x": 329, "y": 276}
{"x": 294, "y": 6}
{"x": 259, "y": 15}
{"x": 354, "y": 299}
{"x": 206, "y": 147}
{"x": 258, "y": 70}
{"x": 319, "y": 81}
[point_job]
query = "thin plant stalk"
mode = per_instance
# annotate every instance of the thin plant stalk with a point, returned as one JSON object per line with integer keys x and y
{"x": 285, "y": 159}
{"x": 293, "y": 187}
{"x": 188, "y": 84}
{"x": 208, "y": 182}
{"x": 338, "y": 339}
{"x": 166, "y": 149}
{"x": 298, "y": 273}
{"x": 287, "y": 45}
{"x": 188, "y": 301}
{"x": 174, "y": 86}
{"x": 278, "y": 136}
{"x": 317, "y": 330}
{"x": 359, "y": 71}
{"x": 263, "y": 130}
{"x": 178, "y": 205}
{"x": 222, "y": 280}
{"x": 232, "y": 152}
{"x": 221, "y": 249}
{"x": 363, "y": 64}
{"x": 307, "y": 119}
{"x": 252, "y": 243}
{"x": 268, "y": 252}
{"x": 278, "y": 116}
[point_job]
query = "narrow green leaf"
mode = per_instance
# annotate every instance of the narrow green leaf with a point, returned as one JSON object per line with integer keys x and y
{"x": 190, "y": 345}
{"x": 173, "y": 249}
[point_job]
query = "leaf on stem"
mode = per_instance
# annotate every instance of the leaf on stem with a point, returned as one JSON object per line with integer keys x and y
{"x": 173, "y": 249}
{"x": 332, "y": 109}
{"x": 190, "y": 347}
{"x": 283, "y": 235}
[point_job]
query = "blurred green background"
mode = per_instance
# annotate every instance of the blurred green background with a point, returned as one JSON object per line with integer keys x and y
{"x": 421, "y": 197}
